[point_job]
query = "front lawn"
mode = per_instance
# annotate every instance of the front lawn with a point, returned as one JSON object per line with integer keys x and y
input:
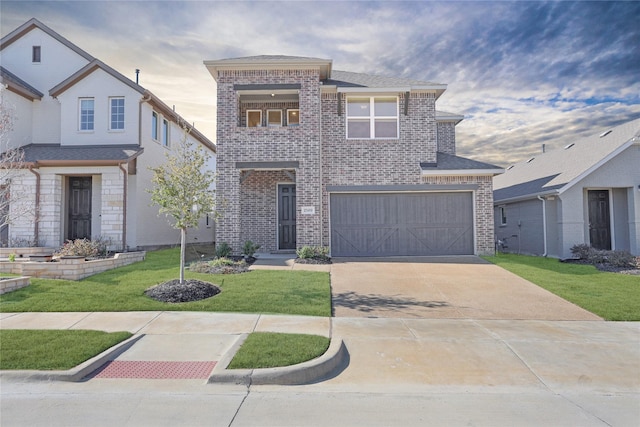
{"x": 53, "y": 349}
{"x": 612, "y": 296}
{"x": 122, "y": 289}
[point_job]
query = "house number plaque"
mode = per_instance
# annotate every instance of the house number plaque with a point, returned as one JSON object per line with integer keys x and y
{"x": 308, "y": 210}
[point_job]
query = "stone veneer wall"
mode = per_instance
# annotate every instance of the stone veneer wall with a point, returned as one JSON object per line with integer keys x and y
{"x": 240, "y": 144}
{"x": 71, "y": 268}
{"x": 484, "y": 230}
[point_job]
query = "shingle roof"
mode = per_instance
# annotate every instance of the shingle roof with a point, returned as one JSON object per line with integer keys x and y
{"x": 557, "y": 169}
{"x": 350, "y": 79}
{"x": 449, "y": 162}
{"x": 43, "y": 153}
{"x": 16, "y": 84}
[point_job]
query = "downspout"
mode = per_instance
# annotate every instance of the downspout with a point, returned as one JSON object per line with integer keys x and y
{"x": 144, "y": 99}
{"x": 36, "y": 236}
{"x": 124, "y": 208}
{"x": 544, "y": 223}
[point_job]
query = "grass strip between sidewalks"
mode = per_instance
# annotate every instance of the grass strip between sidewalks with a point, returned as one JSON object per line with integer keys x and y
{"x": 122, "y": 289}
{"x": 53, "y": 349}
{"x": 612, "y": 296}
{"x": 270, "y": 349}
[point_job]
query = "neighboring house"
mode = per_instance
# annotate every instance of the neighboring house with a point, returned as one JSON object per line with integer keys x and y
{"x": 587, "y": 192}
{"x": 360, "y": 163}
{"x": 89, "y": 135}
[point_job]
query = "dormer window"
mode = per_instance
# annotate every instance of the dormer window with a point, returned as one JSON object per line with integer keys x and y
{"x": 374, "y": 117}
{"x": 35, "y": 54}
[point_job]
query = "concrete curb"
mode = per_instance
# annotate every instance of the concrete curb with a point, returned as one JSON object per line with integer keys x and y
{"x": 331, "y": 363}
{"x": 77, "y": 373}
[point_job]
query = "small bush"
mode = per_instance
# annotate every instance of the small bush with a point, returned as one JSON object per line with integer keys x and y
{"x": 597, "y": 256}
{"x": 219, "y": 266}
{"x": 622, "y": 259}
{"x": 250, "y": 248}
{"x": 84, "y": 247}
{"x": 221, "y": 262}
{"x": 581, "y": 251}
{"x": 223, "y": 250}
{"x": 313, "y": 252}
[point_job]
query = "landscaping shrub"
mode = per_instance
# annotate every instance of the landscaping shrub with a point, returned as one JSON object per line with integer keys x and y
{"x": 622, "y": 259}
{"x": 617, "y": 258}
{"x": 581, "y": 251}
{"x": 223, "y": 250}
{"x": 313, "y": 252}
{"x": 219, "y": 266}
{"x": 84, "y": 247}
{"x": 250, "y": 248}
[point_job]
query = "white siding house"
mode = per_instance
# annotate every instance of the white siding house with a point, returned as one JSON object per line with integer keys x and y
{"x": 587, "y": 192}
{"x": 89, "y": 135}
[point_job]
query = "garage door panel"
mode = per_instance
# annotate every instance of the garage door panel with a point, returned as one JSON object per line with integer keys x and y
{"x": 401, "y": 224}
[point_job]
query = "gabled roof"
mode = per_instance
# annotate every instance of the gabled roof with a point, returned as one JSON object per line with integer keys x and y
{"x": 88, "y": 69}
{"x": 17, "y": 85}
{"x": 76, "y": 155}
{"x": 34, "y": 23}
{"x": 262, "y": 62}
{"x": 346, "y": 81}
{"x": 448, "y": 164}
{"x": 556, "y": 171}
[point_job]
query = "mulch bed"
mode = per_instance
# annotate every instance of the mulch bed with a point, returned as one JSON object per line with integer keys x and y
{"x": 313, "y": 260}
{"x": 191, "y": 290}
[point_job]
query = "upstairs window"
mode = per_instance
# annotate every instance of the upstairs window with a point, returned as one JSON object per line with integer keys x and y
{"x": 154, "y": 125}
{"x": 87, "y": 112}
{"x": 35, "y": 54}
{"x": 274, "y": 118}
{"x": 165, "y": 132}
{"x": 293, "y": 117}
{"x": 117, "y": 113}
{"x": 374, "y": 117}
{"x": 254, "y": 118}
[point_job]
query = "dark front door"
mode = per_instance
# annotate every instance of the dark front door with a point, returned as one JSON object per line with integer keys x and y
{"x": 599, "y": 219}
{"x": 287, "y": 216}
{"x": 79, "y": 207}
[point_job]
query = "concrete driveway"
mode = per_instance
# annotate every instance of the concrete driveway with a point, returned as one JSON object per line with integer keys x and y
{"x": 464, "y": 287}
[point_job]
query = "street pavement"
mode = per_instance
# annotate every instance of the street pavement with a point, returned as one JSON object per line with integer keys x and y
{"x": 404, "y": 369}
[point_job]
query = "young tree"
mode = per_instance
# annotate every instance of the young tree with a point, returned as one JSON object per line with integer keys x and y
{"x": 183, "y": 189}
{"x": 13, "y": 204}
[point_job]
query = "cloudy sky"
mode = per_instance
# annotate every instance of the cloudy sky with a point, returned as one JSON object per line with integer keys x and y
{"x": 522, "y": 73}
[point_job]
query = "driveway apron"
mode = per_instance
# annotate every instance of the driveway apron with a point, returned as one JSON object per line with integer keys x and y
{"x": 465, "y": 287}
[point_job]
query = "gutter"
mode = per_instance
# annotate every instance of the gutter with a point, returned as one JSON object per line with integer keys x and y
{"x": 145, "y": 98}
{"x": 320, "y": 167}
{"x": 36, "y": 236}
{"x": 544, "y": 223}
{"x": 124, "y": 208}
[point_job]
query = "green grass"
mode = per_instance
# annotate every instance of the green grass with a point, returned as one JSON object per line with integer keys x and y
{"x": 53, "y": 349}
{"x": 612, "y": 296}
{"x": 269, "y": 350}
{"x": 122, "y": 289}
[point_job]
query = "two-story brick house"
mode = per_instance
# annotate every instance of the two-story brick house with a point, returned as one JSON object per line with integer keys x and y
{"x": 363, "y": 164}
{"x": 89, "y": 135}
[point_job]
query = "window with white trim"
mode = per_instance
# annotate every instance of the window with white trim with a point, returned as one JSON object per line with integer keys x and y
{"x": 116, "y": 106}
{"x": 154, "y": 125}
{"x": 165, "y": 132}
{"x": 293, "y": 117}
{"x": 274, "y": 118}
{"x": 372, "y": 117}
{"x": 254, "y": 118}
{"x": 86, "y": 114}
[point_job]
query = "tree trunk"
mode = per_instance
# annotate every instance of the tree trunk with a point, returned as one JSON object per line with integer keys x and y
{"x": 183, "y": 249}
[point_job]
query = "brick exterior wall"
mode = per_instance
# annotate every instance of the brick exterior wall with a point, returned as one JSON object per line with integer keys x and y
{"x": 325, "y": 156}
{"x": 299, "y": 143}
{"x": 447, "y": 137}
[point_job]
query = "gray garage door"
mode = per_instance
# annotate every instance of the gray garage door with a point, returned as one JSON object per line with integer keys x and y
{"x": 401, "y": 224}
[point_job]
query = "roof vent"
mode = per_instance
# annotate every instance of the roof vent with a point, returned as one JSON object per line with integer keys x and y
{"x": 530, "y": 160}
{"x": 566, "y": 147}
{"x": 603, "y": 134}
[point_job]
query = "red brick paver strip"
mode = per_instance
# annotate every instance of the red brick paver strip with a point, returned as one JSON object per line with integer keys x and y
{"x": 155, "y": 370}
